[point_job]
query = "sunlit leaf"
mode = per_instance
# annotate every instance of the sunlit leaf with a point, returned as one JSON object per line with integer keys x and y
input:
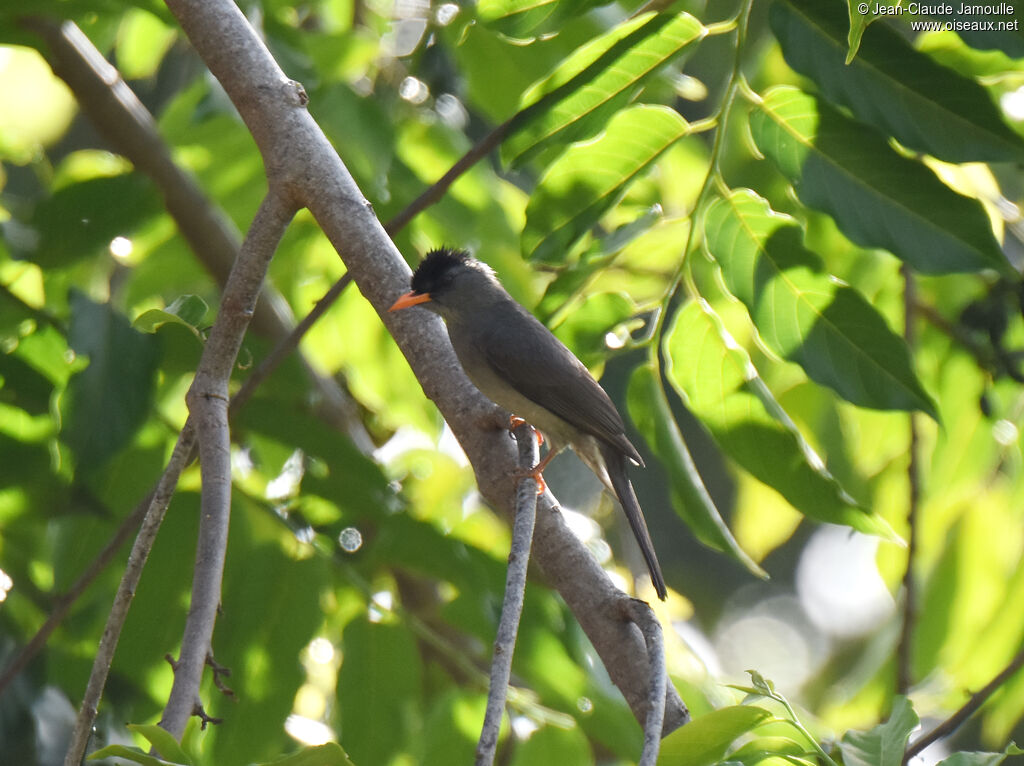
{"x": 598, "y": 79}
{"x": 878, "y": 197}
{"x": 163, "y": 741}
{"x": 187, "y": 310}
{"x": 806, "y": 315}
{"x": 582, "y": 184}
{"x": 706, "y": 740}
{"x": 885, "y": 744}
{"x": 380, "y": 680}
{"x": 719, "y": 384}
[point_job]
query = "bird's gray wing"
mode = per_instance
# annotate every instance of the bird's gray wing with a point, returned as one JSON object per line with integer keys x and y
{"x": 523, "y": 351}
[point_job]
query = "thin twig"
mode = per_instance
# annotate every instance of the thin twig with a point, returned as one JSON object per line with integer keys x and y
{"x": 161, "y": 498}
{"x": 512, "y": 605}
{"x": 208, "y": 405}
{"x": 493, "y": 140}
{"x": 281, "y": 351}
{"x": 641, "y": 614}
{"x": 904, "y": 649}
{"x": 970, "y": 707}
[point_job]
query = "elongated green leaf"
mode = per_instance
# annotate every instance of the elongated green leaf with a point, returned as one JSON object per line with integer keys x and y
{"x": 380, "y": 680}
{"x": 519, "y": 18}
{"x": 132, "y": 754}
{"x": 107, "y": 401}
{"x": 901, "y": 91}
{"x": 885, "y": 744}
{"x": 721, "y": 387}
{"x": 705, "y": 740}
{"x": 878, "y": 197}
{"x": 589, "y": 178}
{"x": 598, "y": 79}
{"x": 650, "y": 411}
{"x": 858, "y": 23}
{"x": 803, "y": 313}
{"x": 975, "y": 758}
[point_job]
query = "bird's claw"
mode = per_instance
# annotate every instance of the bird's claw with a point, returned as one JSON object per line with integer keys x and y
{"x": 514, "y": 421}
{"x": 535, "y": 473}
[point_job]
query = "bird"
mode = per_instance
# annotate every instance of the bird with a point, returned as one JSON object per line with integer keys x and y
{"x": 517, "y": 363}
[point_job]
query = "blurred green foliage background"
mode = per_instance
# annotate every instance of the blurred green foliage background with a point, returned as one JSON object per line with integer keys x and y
{"x": 714, "y": 218}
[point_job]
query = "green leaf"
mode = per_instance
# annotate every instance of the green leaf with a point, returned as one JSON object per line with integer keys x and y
{"x": 143, "y": 39}
{"x": 722, "y": 388}
{"x": 980, "y": 759}
{"x": 163, "y": 741}
{"x": 858, "y": 23}
{"x": 107, "y": 401}
{"x": 705, "y": 740}
{"x": 583, "y": 183}
{"x": 650, "y": 411}
{"x": 885, "y": 744}
{"x": 806, "y": 315}
{"x": 585, "y": 328}
{"x": 760, "y": 748}
{"x": 901, "y": 91}
{"x": 596, "y": 80}
{"x": 272, "y": 610}
{"x": 878, "y": 197}
{"x": 186, "y": 310}
{"x": 553, "y": 746}
{"x": 129, "y": 754}
{"x": 81, "y": 219}
{"x": 519, "y": 18}
{"x": 330, "y": 754}
{"x": 380, "y": 680}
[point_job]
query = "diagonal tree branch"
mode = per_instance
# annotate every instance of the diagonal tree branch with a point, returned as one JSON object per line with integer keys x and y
{"x": 296, "y": 150}
{"x": 124, "y": 121}
{"x": 969, "y": 708}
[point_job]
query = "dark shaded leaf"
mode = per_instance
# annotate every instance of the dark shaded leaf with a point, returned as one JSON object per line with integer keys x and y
{"x": 878, "y": 197}
{"x": 107, "y": 401}
{"x": 899, "y": 90}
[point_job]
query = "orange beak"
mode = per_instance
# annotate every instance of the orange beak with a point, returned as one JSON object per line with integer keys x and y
{"x": 409, "y": 299}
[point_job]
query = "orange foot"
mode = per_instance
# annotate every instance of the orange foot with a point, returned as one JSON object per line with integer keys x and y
{"x": 514, "y": 421}
{"x": 537, "y": 472}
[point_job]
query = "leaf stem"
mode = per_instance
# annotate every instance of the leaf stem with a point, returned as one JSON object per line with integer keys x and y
{"x": 719, "y": 119}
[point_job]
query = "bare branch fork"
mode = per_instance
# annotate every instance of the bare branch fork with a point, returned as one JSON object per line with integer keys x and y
{"x": 208, "y": 404}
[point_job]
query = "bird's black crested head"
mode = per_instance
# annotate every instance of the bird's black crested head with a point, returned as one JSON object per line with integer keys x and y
{"x": 438, "y": 270}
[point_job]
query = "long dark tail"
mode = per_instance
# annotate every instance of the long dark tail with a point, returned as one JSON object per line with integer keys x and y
{"x": 615, "y": 462}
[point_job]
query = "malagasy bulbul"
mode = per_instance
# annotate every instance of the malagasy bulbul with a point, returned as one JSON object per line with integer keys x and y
{"x": 518, "y": 364}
